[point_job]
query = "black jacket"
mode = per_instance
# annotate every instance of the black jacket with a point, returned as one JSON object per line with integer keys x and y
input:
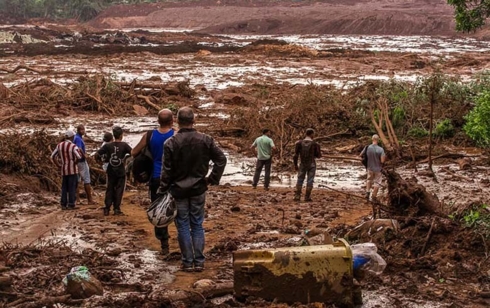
{"x": 186, "y": 158}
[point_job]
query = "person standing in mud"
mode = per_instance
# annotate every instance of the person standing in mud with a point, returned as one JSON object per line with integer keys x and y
{"x": 83, "y": 168}
{"x": 158, "y": 137}
{"x": 65, "y": 156}
{"x": 375, "y": 160}
{"x": 263, "y": 148}
{"x": 306, "y": 150}
{"x": 185, "y": 166}
{"x": 115, "y": 153}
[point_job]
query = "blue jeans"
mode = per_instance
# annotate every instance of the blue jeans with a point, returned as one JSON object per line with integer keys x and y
{"x": 190, "y": 216}
{"x": 69, "y": 190}
{"x": 308, "y": 171}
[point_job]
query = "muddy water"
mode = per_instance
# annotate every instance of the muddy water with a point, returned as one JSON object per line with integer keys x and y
{"x": 220, "y": 71}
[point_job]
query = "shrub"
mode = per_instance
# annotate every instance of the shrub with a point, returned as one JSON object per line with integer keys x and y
{"x": 417, "y": 132}
{"x": 477, "y": 125}
{"x": 398, "y": 116}
{"x": 444, "y": 129}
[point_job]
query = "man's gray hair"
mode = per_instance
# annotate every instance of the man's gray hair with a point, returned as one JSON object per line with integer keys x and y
{"x": 185, "y": 116}
{"x": 375, "y": 137}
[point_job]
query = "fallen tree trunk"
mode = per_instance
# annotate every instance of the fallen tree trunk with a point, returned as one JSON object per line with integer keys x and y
{"x": 447, "y": 155}
{"x": 408, "y": 198}
{"x": 323, "y": 138}
{"x": 191, "y": 298}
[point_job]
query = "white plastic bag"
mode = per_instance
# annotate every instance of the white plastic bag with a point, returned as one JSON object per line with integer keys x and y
{"x": 162, "y": 211}
{"x": 366, "y": 258}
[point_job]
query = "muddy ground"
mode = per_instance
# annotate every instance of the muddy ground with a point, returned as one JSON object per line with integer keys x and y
{"x": 433, "y": 260}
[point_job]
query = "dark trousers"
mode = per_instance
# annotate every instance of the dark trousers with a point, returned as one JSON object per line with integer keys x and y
{"x": 309, "y": 173}
{"x": 114, "y": 191}
{"x": 160, "y": 233}
{"x": 258, "y": 169}
{"x": 69, "y": 190}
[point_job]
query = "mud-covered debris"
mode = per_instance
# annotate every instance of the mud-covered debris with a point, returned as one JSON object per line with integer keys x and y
{"x": 382, "y": 228}
{"x": 408, "y": 198}
{"x": 203, "y": 283}
{"x": 5, "y": 283}
{"x": 114, "y": 252}
{"x": 81, "y": 284}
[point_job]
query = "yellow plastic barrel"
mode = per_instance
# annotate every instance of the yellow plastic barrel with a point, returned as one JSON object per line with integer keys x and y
{"x": 303, "y": 274}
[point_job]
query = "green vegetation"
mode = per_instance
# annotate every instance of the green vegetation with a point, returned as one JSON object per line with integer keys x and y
{"x": 477, "y": 126}
{"x": 469, "y": 14}
{"x": 478, "y": 217}
{"x": 444, "y": 129}
{"x": 418, "y": 132}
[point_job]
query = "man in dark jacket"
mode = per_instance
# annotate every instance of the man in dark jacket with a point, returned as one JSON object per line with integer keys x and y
{"x": 307, "y": 150}
{"x": 186, "y": 158}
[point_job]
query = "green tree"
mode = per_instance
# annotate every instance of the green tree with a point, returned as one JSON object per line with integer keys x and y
{"x": 470, "y": 15}
{"x": 477, "y": 126}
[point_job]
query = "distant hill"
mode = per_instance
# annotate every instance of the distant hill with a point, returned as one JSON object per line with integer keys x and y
{"x": 382, "y": 17}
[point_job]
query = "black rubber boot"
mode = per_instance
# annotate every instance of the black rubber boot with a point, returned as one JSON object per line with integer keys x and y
{"x": 297, "y": 193}
{"x": 308, "y": 194}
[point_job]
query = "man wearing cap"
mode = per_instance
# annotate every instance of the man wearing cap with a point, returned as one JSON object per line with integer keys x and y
{"x": 306, "y": 151}
{"x": 65, "y": 156}
{"x": 82, "y": 163}
{"x": 375, "y": 160}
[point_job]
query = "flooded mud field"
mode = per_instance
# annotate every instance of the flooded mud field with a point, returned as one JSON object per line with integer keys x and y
{"x": 52, "y": 79}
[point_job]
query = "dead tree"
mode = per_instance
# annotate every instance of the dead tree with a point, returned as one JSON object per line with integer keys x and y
{"x": 390, "y": 140}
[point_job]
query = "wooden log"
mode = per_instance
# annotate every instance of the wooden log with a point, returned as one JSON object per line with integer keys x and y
{"x": 427, "y": 238}
{"x": 20, "y": 67}
{"x": 446, "y": 155}
{"x": 323, "y": 138}
{"x": 148, "y": 101}
{"x": 464, "y": 163}
{"x": 5, "y": 283}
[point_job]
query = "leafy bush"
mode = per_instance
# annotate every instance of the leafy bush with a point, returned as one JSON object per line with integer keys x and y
{"x": 417, "y": 132}
{"x": 398, "y": 116}
{"x": 477, "y": 126}
{"x": 444, "y": 129}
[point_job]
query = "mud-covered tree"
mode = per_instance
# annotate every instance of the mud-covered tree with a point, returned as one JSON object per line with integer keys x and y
{"x": 470, "y": 15}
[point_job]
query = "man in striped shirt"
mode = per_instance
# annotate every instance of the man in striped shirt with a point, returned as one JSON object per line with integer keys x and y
{"x": 66, "y": 156}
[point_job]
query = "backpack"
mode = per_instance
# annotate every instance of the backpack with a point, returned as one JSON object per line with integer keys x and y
{"x": 143, "y": 163}
{"x": 364, "y": 157}
{"x": 162, "y": 211}
{"x": 307, "y": 153}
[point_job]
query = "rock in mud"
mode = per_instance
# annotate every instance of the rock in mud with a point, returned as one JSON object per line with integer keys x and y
{"x": 114, "y": 252}
{"x": 84, "y": 288}
{"x": 203, "y": 283}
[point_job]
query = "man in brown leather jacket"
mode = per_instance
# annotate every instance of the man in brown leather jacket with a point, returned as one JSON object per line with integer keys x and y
{"x": 307, "y": 150}
{"x": 186, "y": 158}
